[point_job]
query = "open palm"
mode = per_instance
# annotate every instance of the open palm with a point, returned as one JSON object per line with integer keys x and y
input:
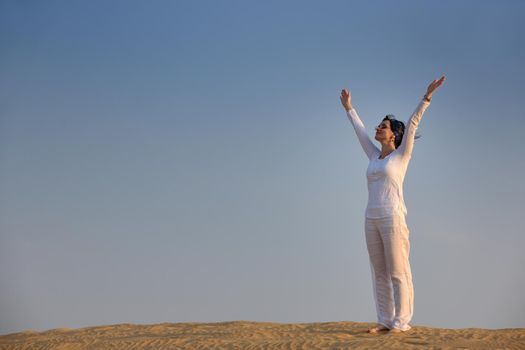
{"x": 434, "y": 85}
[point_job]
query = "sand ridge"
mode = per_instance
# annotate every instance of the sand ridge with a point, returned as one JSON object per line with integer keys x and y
{"x": 262, "y": 335}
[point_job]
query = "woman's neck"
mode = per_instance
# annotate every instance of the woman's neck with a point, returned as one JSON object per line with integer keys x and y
{"x": 386, "y": 150}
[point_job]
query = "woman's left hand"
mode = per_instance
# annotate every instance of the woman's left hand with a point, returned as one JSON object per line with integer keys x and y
{"x": 434, "y": 85}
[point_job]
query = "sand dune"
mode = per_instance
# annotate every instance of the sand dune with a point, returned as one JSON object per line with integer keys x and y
{"x": 262, "y": 335}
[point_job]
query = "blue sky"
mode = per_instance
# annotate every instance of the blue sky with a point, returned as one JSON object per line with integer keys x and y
{"x": 178, "y": 161}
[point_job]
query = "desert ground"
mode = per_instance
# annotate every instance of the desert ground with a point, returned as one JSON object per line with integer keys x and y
{"x": 262, "y": 335}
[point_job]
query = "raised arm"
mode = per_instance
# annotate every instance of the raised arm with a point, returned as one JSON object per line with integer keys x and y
{"x": 359, "y": 127}
{"x": 407, "y": 144}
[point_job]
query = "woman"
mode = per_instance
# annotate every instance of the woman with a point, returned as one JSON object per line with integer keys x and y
{"x": 387, "y": 235}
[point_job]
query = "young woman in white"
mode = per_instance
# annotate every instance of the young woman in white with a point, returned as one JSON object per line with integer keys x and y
{"x": 387, "y": 235}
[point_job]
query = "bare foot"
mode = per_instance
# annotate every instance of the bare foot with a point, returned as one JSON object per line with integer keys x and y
{"x": 378, "y": 329}
{"x": 396, "y": 330}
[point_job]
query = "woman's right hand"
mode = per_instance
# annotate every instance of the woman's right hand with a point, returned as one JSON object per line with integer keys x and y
{"x": 346, "y": 99}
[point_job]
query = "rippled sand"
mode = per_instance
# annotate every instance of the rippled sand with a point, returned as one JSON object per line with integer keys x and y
{"x": 262, "y": 335}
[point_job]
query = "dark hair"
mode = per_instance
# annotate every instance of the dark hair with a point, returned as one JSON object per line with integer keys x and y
{"x": 398, "y": 128}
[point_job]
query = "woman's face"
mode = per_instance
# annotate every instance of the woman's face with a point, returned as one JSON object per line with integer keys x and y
{"x": 383, "y": 132}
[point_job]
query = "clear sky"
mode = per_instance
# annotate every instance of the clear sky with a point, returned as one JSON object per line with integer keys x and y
{"x": 184, "y": 161}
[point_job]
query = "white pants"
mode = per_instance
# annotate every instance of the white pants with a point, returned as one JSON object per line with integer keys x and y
{"x": 388, "y": 248}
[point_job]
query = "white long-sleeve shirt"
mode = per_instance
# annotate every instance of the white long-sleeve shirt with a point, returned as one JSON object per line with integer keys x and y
{"x": 385, "y": 176}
